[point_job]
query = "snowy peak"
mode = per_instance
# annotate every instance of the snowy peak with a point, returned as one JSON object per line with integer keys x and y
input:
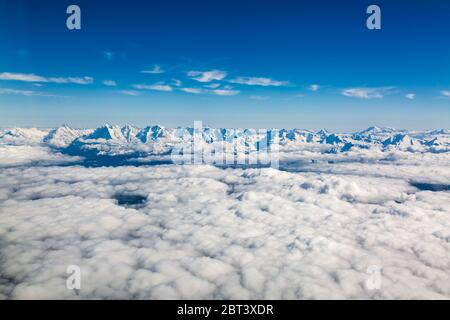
{"x": 152, "y": 133}
{"x": 402, "y": 141}
{"x": 374, "y": 130}
{"x": 113, "y": 133}
{"x": 21, "y": 136}
{"x": 63, "y": 136}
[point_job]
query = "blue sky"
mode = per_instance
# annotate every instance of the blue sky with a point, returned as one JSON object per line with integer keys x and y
{"x": 307, "y": 64}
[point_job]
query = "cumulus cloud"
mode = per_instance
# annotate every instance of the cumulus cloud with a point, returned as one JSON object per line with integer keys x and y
{"x": 27, "y": 154}
{"x": 211, "y": 233}
{"x": 36, "y": 78}
{"x": 156, "y": 87}
{"x": 155, "y": 70}
{"x": 259, "y": 81}
{"x": 109, "y": 83}
{"x": 207, "y": 76}
{"x": 367, "y": 93}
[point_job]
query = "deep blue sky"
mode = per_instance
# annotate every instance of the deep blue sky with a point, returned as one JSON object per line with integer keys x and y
{"x": 292, "y": 44}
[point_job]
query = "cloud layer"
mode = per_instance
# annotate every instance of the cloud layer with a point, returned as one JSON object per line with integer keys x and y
{"x": 210, "y": 233}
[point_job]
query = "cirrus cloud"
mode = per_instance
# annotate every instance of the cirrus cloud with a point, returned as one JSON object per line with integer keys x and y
{"x": 30, "y": 77}
{"x": 367, "y": 93}
{"x": 193, "y": 90}
{"x": 155, "y": 70}
{"x": 259, "y": 81}
{"x": 109, "y": 83}
{"x": 156, "y": 87}
{"x": 129, "y": 92}
{"x": 225, "y": 92}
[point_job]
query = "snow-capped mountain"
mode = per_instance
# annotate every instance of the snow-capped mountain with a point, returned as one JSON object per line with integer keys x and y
{"x": 402, "y": 142}
{"x": 63, "y": 136}
{"x": 116, "y": 140}
{"x": 23, "y": 136}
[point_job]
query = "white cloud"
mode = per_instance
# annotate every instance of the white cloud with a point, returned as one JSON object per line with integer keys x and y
{"x": 27, "y": 93}
{"x": 257, "y": 81}
{"x": 156, "y": 70}
{"x": 259, "y": 98}
{"x": 109, "y": 55}
{"x": 410, "y": 96}
{"x": 314, "y": 87}
{"x": 224, "y": 92}
{"x": 445, "y": 93}
{"x": 110, "y": 83}
{"x": 209, "y": 233}
{"x": 207, "y": 76}
{"x": 28, "y": 154}
{"x": 193, "y": 90}
{"x": 129, "y": 92}
{"x": 212, "y": 85}
{"x": 367, "y": 93}
{"x": 36, "y": 78}
{"x": 156, "y": 87}
{"x": 177, "y": 82}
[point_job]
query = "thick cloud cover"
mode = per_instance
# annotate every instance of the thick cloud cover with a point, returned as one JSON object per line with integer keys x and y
{"x": 206, "y": 232}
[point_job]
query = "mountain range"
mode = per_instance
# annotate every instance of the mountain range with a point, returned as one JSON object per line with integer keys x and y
{"x": 114, "y": 140}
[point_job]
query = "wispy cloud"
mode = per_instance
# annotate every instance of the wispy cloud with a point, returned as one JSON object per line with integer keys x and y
{"x": 212, "y": 85}
{"x": 27, "y": 93}
{"x": 259, "y": 98}
{"x": 225, "y": 92}
{"x": 445, "y": 93}
{"x": 207, "y": 76}
{"x": 177, "y": 82}
{"x": 156, "y": 87}
{"x": 257, "y": 81}
{"x": 108, "y": 55}
{"x": 410, "y": 96}
{"x": 194, "y": 90}
{"x": 109, "y": 83}
{"x": 367, "y": 93}
{"x": 156, "y": 70}
{"x": 29, "y": 77}
{"x": 129, "y": 92}
{"x": 314, "y": 87}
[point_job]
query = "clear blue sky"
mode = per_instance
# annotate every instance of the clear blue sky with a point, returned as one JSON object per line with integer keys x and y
{"x": 307, "y": 64}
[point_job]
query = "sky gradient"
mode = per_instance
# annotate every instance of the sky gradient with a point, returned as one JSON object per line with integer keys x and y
{"x": 259, "y": 64}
